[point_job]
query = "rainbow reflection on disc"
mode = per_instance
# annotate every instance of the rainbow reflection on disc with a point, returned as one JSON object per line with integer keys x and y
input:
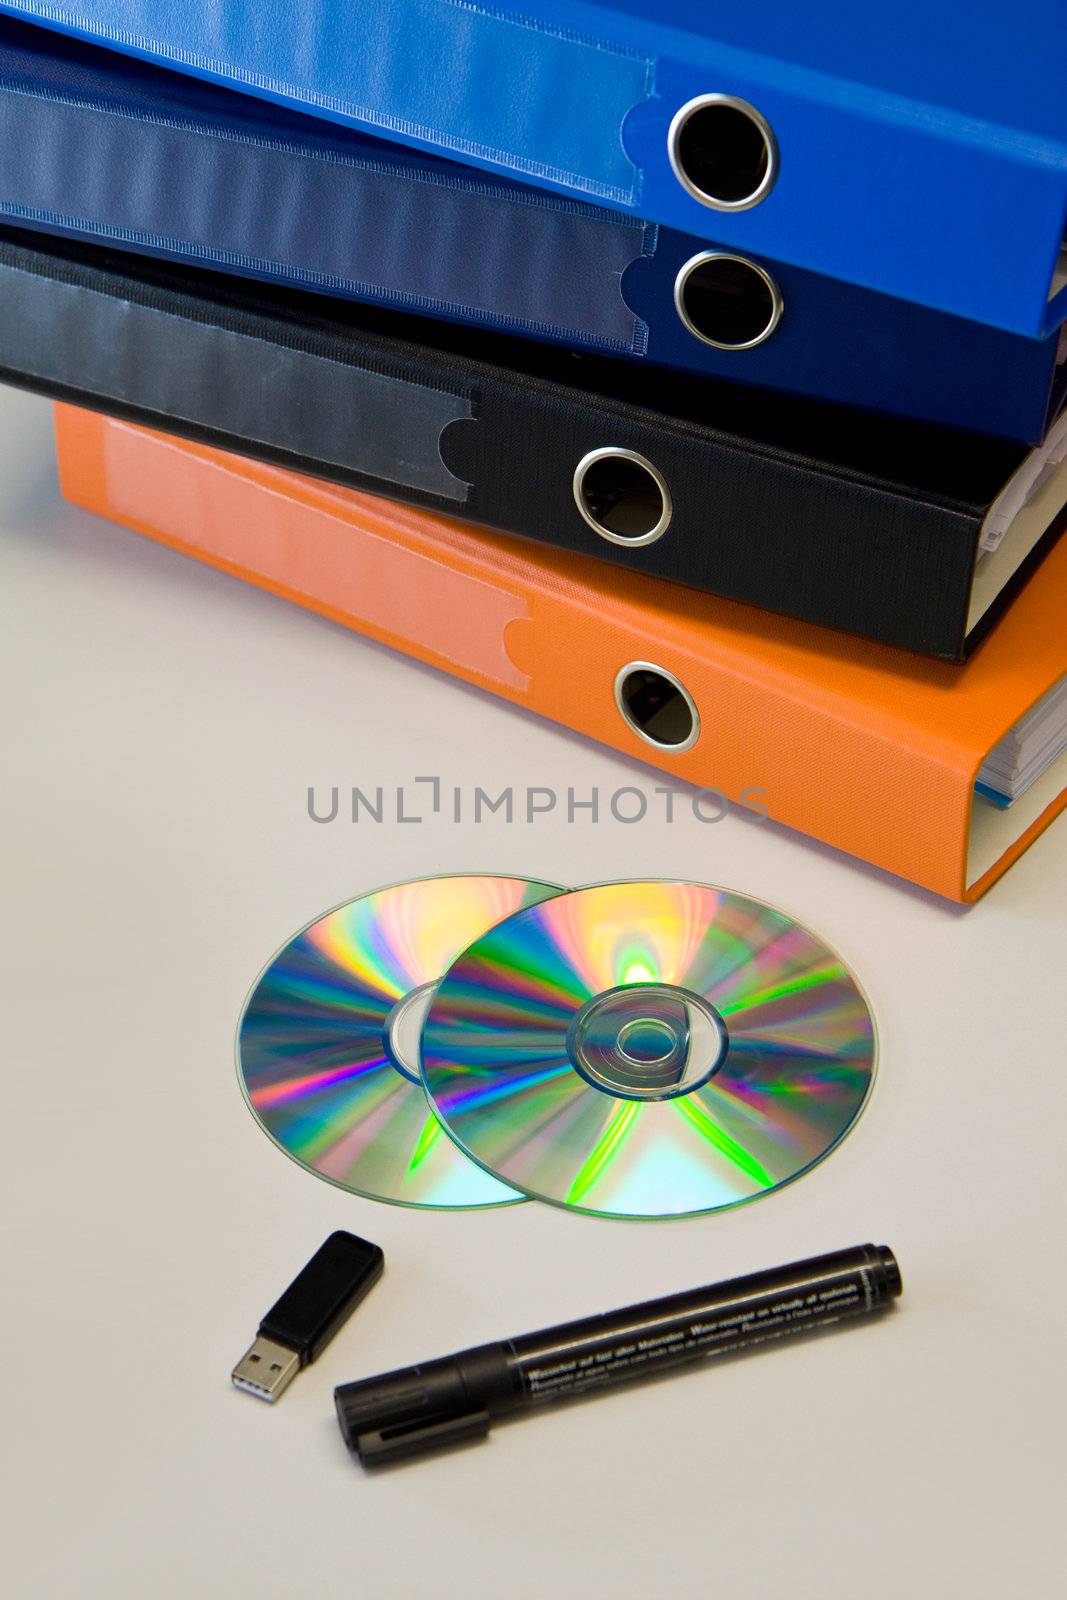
{"x": 327, "y": 1044}
{"x": 648, "y": 1050}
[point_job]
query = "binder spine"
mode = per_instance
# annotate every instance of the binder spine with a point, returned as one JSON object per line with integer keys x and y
{"x": 483, "y": 611}
{"x": 503, "y": 450}
{"x": 604, "y": 107}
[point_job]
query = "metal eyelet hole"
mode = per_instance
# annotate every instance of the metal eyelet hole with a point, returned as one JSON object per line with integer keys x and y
{"x": 656, "y": 706}
{"x": 727, "y": 301}
{"x": 621, "y": 496}
{"x": 723, "y": 152}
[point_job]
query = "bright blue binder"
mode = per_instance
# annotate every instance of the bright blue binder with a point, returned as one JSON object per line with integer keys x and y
{"x": 102, "y": 148}
{"x": 919, "y": 149}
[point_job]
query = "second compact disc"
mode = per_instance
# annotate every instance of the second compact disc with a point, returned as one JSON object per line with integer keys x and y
{"x": 648, "y": 1049}
{"x": 328, "y": 1042}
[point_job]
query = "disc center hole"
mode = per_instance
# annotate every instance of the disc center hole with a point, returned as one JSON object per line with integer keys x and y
{"x": 647, "y": 1040}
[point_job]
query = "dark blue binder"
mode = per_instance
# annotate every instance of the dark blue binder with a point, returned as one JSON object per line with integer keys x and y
{"x": 919, "y": 149}
{"x": 100, "y": 147}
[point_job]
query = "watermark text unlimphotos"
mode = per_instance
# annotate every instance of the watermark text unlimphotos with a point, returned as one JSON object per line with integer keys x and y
{"x": 427, "y": 798}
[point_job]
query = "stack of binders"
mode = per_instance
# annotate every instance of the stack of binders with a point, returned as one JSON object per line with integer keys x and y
{"x": 735, "y": 330}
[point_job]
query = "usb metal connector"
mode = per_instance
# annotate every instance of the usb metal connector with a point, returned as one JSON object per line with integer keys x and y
{"x": 266, "y": 1369}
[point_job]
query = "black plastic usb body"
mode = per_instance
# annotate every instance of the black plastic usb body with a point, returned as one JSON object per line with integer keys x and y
{"x": 305, "y": 1318}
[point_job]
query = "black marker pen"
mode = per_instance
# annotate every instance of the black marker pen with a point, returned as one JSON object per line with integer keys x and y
{"x": 458, "y": 1397}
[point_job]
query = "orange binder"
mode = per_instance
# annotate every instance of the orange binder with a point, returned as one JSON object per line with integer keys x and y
{"x": 860, "y": 746}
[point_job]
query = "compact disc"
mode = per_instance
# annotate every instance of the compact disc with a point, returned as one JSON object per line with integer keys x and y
{"x": 648, "y": 1049}
{"x": 328, "y": 1042}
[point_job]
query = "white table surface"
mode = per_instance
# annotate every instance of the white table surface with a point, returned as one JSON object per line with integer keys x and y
{"x": 161, "y": 724}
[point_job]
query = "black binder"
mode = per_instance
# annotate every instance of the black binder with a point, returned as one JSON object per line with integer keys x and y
{"x": 859, "y": 522}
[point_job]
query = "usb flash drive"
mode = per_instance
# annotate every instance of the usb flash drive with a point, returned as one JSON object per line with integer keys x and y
{"x": 304, "y": 1320}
